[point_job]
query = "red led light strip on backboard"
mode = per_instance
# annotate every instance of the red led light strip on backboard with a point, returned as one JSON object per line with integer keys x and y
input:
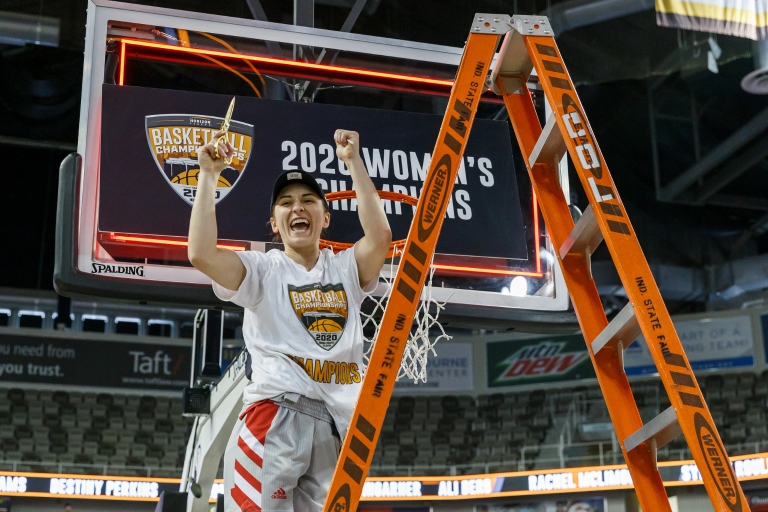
{"x": 343, "y": 71}
{"x": 164, "y": 241}
{"x": 282, "y": 62}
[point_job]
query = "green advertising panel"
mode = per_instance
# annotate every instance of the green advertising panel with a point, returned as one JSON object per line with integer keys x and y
{"x": 551, "y": 359}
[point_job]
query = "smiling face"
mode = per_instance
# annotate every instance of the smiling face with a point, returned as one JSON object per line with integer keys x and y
{"x": 299, "y": 216}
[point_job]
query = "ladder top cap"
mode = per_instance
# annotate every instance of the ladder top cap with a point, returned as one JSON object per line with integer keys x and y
{"x": 531, "y": 25}
{"x": 485, "y": 23}
{"x": 528, "y": 25}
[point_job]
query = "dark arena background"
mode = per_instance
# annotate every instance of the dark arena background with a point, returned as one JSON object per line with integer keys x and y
{"x": 116, "y": 357}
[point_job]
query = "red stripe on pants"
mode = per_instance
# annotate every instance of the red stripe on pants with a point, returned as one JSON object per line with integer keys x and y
{"x": 258, "y": 418}
{"x": 247, "y": 476}
{"x": 243, "y": 502}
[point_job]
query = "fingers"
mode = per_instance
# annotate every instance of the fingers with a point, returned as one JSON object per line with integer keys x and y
{"x": 223, "y": 147}
{"x": 344, "y": 137}
{"x": 207, "y": 149}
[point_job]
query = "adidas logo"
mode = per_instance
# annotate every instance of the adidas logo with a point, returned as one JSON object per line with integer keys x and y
{"x": 279, "y": 494}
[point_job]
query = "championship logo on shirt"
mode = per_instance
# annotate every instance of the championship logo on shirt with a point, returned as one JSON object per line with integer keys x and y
{"x": 322, "y": 310}
{"x": 173, "y": 140}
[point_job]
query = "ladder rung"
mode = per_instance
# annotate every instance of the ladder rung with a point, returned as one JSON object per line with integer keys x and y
{"x": 586, "y": 233}
{"x": 623, "y": 327}
{"x": 663, "y": 428}
{"x": 550, "y": 147}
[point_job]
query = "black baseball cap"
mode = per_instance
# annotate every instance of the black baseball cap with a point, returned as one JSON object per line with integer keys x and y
{"x": 291, "y": 177}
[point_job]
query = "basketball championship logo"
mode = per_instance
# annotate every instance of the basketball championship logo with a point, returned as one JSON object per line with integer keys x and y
{"x": 322, "y": 310}
{"x": 174, "y": 139}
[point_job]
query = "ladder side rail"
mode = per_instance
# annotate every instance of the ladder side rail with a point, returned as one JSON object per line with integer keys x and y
{"x": 586, "y": 301}
{"x": 379, "y": 381}
{"x": 655, "y": 322}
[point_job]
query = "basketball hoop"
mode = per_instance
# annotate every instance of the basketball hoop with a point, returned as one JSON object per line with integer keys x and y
{"x": 419, "y": 346}
{"x": 383, "y": 194}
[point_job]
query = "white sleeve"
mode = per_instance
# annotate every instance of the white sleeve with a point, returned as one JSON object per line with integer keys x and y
{"x": 346, "y": 259}
{"x": 251, "y": 291}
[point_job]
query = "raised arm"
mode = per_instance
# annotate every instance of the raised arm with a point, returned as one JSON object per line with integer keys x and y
{"x": 221, "y": 265}
{"x": 371, "y": 250}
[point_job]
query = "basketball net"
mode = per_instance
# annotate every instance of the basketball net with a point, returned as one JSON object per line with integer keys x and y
{"x": 419, "y": 346}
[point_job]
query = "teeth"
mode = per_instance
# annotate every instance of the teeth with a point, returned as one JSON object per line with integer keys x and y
{"x": 299, "y": 221}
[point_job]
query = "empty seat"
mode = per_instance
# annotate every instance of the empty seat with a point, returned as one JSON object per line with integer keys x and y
{"x": 155, "y": 451}
{"x": 143, "y": 437}
{"x": 99, "y": 423}
{"x": 16, "y": 395}
{"x": 114, "y": 411}
{"x": 48, "y": 458}
{"x": 100, "y": 460}
{"x": 19, "y": 418}
{"x": 60, "y": 397}
{"x": 178, "y": 438}
{"x": 109, "y": 436}
{"x": 50, "y": 408}
{"x": 106, "y": 449}
{"x": 90, "y": 448}
{"x": 13, "y": 455}
{"x": 736, "y": 405}
{"x": 117, "y": 460}
{"x": 125, "y": 436}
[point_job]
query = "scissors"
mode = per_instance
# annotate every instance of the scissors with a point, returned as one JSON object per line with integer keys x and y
{"x": 225, "y": 129}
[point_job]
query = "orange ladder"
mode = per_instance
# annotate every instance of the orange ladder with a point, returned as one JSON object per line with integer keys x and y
{"x": 529, "y": 45}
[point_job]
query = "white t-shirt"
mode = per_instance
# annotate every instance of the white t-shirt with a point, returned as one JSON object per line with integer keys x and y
{"x": 303, "y": 329}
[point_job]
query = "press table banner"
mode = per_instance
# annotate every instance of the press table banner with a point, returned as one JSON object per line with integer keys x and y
{"x": 544, "y": 482}
{"x": 719, "y": 342}
{"x": 148, "y": 171}
{"x": 58, "y": 358}
{"x": 449, "y": 370}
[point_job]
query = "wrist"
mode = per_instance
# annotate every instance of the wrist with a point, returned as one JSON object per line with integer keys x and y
{"x": 353, "y": 160}
{"x": 208, "y": 171}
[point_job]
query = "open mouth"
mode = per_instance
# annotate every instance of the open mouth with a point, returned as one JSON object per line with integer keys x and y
{"x": 300, "y": 225}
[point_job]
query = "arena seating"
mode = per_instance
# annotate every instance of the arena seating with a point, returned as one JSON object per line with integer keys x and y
{"x": 551, "y": 428}
{"x": 84, "y": 432}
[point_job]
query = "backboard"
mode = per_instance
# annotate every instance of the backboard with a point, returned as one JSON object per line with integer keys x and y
{"x": 157, "y": 82}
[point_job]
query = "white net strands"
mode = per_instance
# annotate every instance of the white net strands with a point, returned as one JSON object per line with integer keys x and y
{"x": 420, "y": 346}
